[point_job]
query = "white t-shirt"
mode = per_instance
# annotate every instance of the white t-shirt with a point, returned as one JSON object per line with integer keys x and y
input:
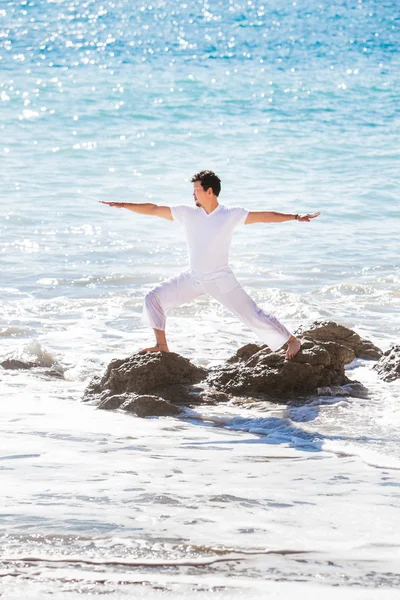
{"x": 208, "y": 236}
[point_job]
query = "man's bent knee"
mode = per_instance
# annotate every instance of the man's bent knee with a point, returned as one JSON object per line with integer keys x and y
{"x": 154, "y": 311}
{"x": 151, "y": 299}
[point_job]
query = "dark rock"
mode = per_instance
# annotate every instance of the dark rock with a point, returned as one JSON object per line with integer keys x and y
{"x": 142, "y": 406}
{"x": 246, "y": 351}
{"x": 148, "y": 384}
{"x": 318, "y": 364}
{"x": 160, "y": 383}
{"x": 388, "y": 367}
{"x": 13, "y": 363}
{"x": 328, "y": 331}
{"x": 145, "y": 373}
{"x": 113, "y": 402}
{"x": 55, "y": 370}
{"x": 180, "y": 394}
{"x": 191, "y": 395}
{"x": 213, "y": 396}
{"x": 151, "y": 406}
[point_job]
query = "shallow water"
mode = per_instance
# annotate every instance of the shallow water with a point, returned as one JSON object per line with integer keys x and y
{"x": 295, "y": 107}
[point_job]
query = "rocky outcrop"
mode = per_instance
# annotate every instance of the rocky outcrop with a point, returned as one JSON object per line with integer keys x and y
{"x": 145, "y": 373}
{"x": 323, "y": 331}
{"x": 318, "y": 364}
{"x": 148, "y": 384}
{"x": 388, "y": 366}
{"x": 164, "y": 383}
{"x": 245, "y": 352}
{"x": 146, "y": 405}
{"x": 15, "y": 364}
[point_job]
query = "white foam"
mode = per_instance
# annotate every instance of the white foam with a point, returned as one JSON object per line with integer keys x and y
{"x": 29, "y": 114}
{"x": 151, "y": 586}
{"x": 369, "y": 457}
{"x": 51, "y": 281}
{"x": 34, "y": 352}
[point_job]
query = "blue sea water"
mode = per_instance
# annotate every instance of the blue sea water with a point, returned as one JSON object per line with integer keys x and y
{"x": 296, "y": 106}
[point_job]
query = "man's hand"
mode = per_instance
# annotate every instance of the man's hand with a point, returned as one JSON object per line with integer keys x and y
{"x": 307, "y": 218}
{"x": 116, "y": 204}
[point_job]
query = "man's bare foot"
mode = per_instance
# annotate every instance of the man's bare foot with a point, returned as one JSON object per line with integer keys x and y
{"x": 293, "y": 347}
{"x": 158, "y": 348}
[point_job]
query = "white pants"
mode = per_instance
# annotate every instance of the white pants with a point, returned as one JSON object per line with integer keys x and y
{"x": 227, "y": 290}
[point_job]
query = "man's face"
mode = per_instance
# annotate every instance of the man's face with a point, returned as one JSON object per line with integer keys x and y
{"x": 199, "y": 194}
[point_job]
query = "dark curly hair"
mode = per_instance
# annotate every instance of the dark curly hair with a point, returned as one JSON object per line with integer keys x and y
{"x": 208, "y": 179}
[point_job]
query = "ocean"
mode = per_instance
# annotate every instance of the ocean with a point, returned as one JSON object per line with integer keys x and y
{"x": 295, "y": 105}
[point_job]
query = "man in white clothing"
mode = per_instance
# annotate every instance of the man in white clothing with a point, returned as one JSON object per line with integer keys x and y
{"x": 209, "y": 226}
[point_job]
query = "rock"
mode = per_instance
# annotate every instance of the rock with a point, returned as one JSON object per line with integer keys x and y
{"x": 180, "y": 394}
{"x": 142, "y": 406}
{"x": 56, "y": 372}
{"x": 151, "y": 406}
{"x": 160, "y": 383}
{"x": 148, "y": 384}
{"x": 113, "y": 402}
{"x": 213, "y": 396}
{"x": 145, "y": 373}
{"x": 245, "y": 352}
{"x": 191, "y": 395}
{"x": 329, "y": 331}
{"x": 13, "y": 363}
{"x": 318, "y": 364}
{"x": 388, "y": 367}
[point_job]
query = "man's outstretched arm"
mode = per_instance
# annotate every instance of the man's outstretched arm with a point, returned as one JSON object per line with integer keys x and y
{"x": 265, "y": 216}
{"x": 144, "y": 208}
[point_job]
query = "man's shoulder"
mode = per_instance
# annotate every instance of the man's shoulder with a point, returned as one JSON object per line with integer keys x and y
{"x": 183, "y": 212}
{"x": 230, "y": 207}
{"x": 233, "y": 210}
{"x": 235, "y": 214}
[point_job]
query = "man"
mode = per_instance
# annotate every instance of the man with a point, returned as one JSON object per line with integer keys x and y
{"x": 209, "y": 226}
